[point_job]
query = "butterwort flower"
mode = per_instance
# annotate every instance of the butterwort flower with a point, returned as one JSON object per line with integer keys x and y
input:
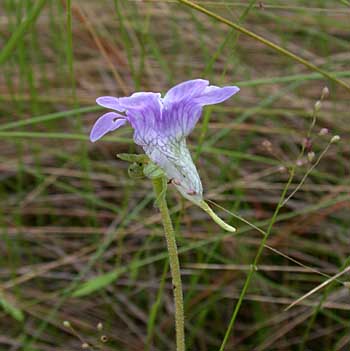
{"x": 161, "y": 125}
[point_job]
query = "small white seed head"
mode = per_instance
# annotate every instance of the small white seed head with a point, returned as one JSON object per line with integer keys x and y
{"x": 282, "y": 169}
{"x": 335, "y": 139}
{"x": 99, "y": 326}
{"x": 85, "y": 345}
{"x": 310, "y": 156}
{"x": 318, "y": 105}
{"x": 66, "y": 324}
{"x": 325, "y": 93}
{"x": 267, "y": 145}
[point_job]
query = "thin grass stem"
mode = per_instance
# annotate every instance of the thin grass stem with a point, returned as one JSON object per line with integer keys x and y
{"x": 21, "y": 30}
{"x": 253, "y": 267}
{"x": 266, "y": 42}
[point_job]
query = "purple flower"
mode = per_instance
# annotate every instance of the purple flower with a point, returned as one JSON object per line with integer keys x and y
{"x": 162, "y": 124}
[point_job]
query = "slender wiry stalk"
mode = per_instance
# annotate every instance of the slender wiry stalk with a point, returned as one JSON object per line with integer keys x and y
{"x": 254, "y": 266}
{"x": 159, "y": 185}
{"x": 266, "y": 42}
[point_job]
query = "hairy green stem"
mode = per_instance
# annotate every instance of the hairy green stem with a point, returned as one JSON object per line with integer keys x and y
{"x": 159, "y": 185}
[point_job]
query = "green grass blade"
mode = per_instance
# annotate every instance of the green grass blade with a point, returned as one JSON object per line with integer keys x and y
{"x": 5, "y": 53}
{"x": 50, "y": 117}
{"x": 267, "y": 43}
{"x": 11, "y": 309}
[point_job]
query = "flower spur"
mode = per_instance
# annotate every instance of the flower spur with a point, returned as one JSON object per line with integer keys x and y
{"x": 161, "y": 126}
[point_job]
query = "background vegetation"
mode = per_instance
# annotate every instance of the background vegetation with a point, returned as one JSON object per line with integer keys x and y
{"x": 71, "y": 219}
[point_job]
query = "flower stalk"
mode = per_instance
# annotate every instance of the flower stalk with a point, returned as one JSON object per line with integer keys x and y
{"x": 159, "y": 186}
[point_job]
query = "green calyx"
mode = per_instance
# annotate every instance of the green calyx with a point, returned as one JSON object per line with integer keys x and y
{"x": 142, "y": 167}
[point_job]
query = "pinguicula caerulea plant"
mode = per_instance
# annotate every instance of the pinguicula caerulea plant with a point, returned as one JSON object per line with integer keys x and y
{"x": 161, "y": 125}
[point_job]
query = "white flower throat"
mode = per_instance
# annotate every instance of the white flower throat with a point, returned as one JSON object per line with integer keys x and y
{"x": 173, "y": 157}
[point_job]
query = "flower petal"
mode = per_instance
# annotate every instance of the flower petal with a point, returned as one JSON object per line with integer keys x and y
{"x": 183, "y": 105}
{"x": 186, "y": 90}
{"x": 140, "y": 100}
{"x": 214, "y": 95}
{"x": 179, "y": 118}
{"x": 144, "y": 111}
{"x": 154, "y": 118}
{"x": 109, "y": 102}
{"x": 106, "y": 123}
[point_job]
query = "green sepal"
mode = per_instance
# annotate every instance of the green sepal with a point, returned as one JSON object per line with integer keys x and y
{"x": 135, "y": 170}
{"x": 152, "y": 171}
{"x": 137, "y": 161}
{"x": 137, "y": 158}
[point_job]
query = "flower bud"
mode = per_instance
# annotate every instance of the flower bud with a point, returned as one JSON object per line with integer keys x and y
{"x": 310, "y": 156}
{"x": 282, "y": 169}
{"x": 300, "y": 162}
{"x": 66, "y": 324}
{"x": 307, "y": 144}
{"x": 318, "y": 105}
{"x": 325, "y": 93}
{"x": 335, "y": 139}
{"x": 324, "y": 131}
{"x": 267, "y": 145}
